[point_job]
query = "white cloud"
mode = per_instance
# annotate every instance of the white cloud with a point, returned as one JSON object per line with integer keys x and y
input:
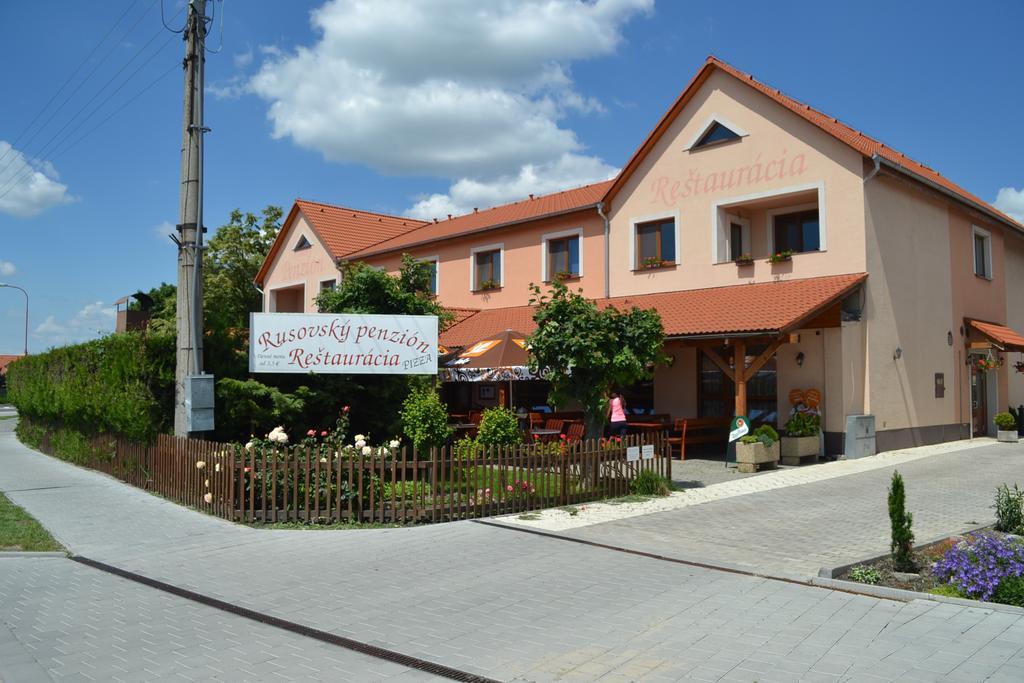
{"x": 93, "y": 320}
{"x": 243, "y": 59}
{"x": 457, "y": 88}
{"x": 7, "y": 268}
{"x": 28, "y": 186}
{"x": 1011, "y": 201}
{"x": 164, "y": 229}
{"x": 465, "y": 195}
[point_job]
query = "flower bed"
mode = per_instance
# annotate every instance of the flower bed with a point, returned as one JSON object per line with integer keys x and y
{"x": 986, "y": 565}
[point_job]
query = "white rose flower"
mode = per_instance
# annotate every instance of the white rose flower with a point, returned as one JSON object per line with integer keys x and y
{"x": 206, "y": 483}
{"x": 208, "y": 497}
{"x": 360, "y": 443}
{"x": 200, "y": 464}
{"x": 395, "y": 443}
{"x": 216, "y": 467}
{"x": 249, "y": 446}
{"x": 360, "y": 437}
{"x": 367, "y": 450}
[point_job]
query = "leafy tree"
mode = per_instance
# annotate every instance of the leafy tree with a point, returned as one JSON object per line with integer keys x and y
{"x": 587, "y": 350}
{"x": 232, "y": 259}
{"x": 425, "y": 419}
{"x": 902, "y": 545}
{"x": 365, "y": 289}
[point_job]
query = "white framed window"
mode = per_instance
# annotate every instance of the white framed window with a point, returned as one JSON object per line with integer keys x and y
{"x": 654, "y": 241}
{"x": 328, "y": 285}
{"x": 434, "y": 264}
{"x": 487, "y": 267}
{"x": 562, "y": 253}
{"x": 982, "y": 240}
{"x": 302, "y": 243}
{"x": 738, "y": 236}
{"x": 794, "y": 228}
{"x": 726, "y": 209}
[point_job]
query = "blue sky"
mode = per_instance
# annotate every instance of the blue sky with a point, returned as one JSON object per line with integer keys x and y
{"x": 413, "y": 106}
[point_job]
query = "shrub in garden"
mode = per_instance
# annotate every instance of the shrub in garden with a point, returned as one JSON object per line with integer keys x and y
{"x": 649, "y": 483}
{"x": 1010, "y": 591}
{"x": 1009, "y": 507}
{"x": 425, "y": 419}
{"x": 803, "y": 424}
{"x": 901, "y": 521}
{"x": 499, "y": 427}
{"x": 1006, "y": 422}
{"x": 865, "y": 574}
{"x": 765, "y": 434}
{"x": 978, "y": 565}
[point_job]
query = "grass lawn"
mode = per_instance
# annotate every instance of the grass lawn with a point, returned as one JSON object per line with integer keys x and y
{"x": 19, "y": 531}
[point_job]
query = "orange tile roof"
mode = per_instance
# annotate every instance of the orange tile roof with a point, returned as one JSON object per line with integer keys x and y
{"x": 6, "y": 360}
{"x": 767, "y": 307}
{"x": 342, "y": 230}
{"x": 867, "y": 146}
{"x": 1000, "y": 334}
{"x": 498, "y": 216}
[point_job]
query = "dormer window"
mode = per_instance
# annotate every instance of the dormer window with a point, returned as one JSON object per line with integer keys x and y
{"x": 303, "y": 243}
{"x": 716, "y": 131}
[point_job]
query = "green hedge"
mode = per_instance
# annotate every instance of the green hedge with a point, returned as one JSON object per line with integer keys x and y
{"x": 120, "y": 384}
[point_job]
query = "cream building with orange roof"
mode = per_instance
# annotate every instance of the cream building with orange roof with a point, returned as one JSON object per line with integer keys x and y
{"x": 770, "y": 236}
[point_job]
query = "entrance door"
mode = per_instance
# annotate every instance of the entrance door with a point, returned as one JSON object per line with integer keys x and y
{"x": 979, "y": 402}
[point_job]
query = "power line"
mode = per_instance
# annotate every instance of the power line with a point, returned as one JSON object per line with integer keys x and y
{"x": 124, "y": 105}
{"x": 73, "y": 75}
{"x": 84, "y": 81}
{"x": 164, "y": 21}
{"x": 50, "y": 147}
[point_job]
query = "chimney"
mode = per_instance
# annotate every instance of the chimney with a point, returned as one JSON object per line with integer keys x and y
{"x": 449, "y": 216}
{"x": 531, "y": 195}
{"x": 475, "y": 209}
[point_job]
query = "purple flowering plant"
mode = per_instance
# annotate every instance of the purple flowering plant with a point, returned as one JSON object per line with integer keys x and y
{"x": 978, "y": 564}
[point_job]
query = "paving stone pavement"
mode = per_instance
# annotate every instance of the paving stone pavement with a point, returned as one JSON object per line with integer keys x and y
{"x": 517, "y": 606}
{"x": 60, "y": 620}
{"x": 799, "y": 529}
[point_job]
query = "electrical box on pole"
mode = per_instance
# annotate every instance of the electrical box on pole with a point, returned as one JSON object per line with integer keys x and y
{"x": 193, "y": 390}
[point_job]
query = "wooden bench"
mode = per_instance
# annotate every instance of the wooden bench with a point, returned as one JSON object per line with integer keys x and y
{"x": 696, "y": 430}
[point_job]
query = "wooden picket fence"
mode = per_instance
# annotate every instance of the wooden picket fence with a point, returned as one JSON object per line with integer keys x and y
{"x": 314, "y": 485}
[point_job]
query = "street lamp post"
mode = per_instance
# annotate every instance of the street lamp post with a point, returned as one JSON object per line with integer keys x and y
{"x": 9, "y": 286}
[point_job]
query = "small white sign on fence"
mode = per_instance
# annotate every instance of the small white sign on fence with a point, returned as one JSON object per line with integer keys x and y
{"x": 632, "y": 453}
{"x": 648, "y": 451}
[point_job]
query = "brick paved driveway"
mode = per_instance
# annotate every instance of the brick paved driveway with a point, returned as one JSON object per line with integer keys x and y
{"x": 511, "y": 605}
{"x": 799, "y": 529}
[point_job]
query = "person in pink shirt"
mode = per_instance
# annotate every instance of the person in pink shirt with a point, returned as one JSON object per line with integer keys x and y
{"x": 616, "y": 414}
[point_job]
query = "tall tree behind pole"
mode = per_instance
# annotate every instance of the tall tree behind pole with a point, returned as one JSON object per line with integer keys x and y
{"x": 190, "y": 216}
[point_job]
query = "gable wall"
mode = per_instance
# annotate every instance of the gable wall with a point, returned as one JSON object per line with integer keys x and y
{"x": 307, "y": 267}
{"x": 781, "y": 151}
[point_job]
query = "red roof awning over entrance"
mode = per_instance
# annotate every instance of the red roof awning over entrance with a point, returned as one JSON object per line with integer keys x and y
{"x": 767, "y": 307}
{"x": 1008, "y": 339}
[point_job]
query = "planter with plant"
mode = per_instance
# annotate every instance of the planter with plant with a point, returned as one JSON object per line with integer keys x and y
{"x": 759, "y": 449}
{"x": 1007, "y": 425}
{"x": 801, "y": 440}
{"x": 487, "y": 285}
{"x": 781, "y": 256}
{"x": 744, "y": 260}
{"x": 652, "y": 262}
{"x": 986, "y": 363}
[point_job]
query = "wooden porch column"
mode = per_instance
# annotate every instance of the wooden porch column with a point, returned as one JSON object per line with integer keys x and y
{"x": 739, "y": 365}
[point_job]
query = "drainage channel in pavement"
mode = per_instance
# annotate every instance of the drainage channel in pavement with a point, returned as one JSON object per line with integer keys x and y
{"x": 291, "y": 626}
{"x": 676, "y": 560}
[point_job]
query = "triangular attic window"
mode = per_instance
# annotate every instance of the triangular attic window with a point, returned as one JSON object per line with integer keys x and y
{"x": 303, "y": 243}
{"x": 716, "y": 133}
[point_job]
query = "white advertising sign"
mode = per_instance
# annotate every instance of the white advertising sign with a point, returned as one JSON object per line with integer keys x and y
{"x": 343, "y": 343}
{"x": 648, "y": 451}
{"x": 632, "y": 453}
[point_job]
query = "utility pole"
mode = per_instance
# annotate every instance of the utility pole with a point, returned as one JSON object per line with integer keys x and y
{"x": 193, "y": 391}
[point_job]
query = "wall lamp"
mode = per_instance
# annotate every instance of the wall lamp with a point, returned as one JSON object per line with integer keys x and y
{"x": 800, "y": 359}
{"x": 898, "y": 353}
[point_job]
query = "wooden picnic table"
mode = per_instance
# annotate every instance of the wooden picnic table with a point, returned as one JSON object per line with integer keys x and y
{"x": 545, "y": 432}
